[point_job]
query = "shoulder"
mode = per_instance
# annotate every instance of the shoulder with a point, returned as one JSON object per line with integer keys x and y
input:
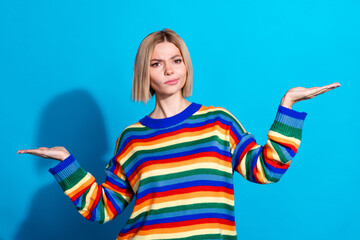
{"x": 127, "y": 134}
{"x": 215, "y": 111}
{"x": 132, "y": 129}
{"x": 223, "y": 115}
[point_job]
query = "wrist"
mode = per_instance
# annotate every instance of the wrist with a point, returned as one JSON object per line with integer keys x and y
{"x": 64, "y": 156}
{"x": 286, "y": 102}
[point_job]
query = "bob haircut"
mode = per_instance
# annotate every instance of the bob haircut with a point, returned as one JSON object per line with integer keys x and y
{"x": 141, "y": 89}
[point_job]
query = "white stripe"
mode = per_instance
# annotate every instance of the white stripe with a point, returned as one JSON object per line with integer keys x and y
{"x": 278, "y": 135}
{"x": 173, "y": 142}
{"x": 186, "y": 234}
{"x": 182, "y": 202}
{"x": 76, "y": 186}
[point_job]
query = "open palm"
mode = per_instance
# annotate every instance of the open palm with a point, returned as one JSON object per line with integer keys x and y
{"x": 298, "y": 94}
{"x": 57, "y": 153}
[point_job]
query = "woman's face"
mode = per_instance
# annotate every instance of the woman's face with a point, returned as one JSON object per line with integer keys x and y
{"x": 167, "y": 70}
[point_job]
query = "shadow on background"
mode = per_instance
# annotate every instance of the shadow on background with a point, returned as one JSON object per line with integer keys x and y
{"x": 72, "y": 120}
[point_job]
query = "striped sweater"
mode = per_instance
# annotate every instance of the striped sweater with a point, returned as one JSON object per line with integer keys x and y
{"x": 180, "y": 171}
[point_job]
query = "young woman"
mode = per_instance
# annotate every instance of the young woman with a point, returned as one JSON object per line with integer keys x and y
{"x": 178, "y": 161}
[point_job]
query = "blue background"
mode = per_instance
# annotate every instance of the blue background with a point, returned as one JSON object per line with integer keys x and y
{"x": 66, "y": 74}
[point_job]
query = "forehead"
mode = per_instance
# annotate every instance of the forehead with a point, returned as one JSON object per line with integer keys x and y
{"x": 165, "y": 49}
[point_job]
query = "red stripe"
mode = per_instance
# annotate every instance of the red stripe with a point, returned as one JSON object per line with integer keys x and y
{"x": 255, "y": 171}
{"x": 97, "y": 199}
{"x": 178, "y": 160}
{"x": 183, "y": 191}
{"x": 76, "y": 196}
{"x": 234, "y": 137}
{"x": 116, "y": 188}
{"x": 292, "y": 147}
{"x": 168, "y": 134}
{"x": 273, "y": 163}
{"x": 248, "y": 147}
{"x": 111, "y": 206}
{"x": 181, "y": 224}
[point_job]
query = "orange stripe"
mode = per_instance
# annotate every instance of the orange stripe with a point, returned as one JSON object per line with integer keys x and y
{"x": 286, "y": 141}
{"x": 122, "y": 192}
{"x": 189, "y": 133}
{"x": 109, "y": 209}
{"x": 184, "y": 229}
{"x": 82, "y": 187}
{"x": 190, "y": 161}
{"x": 177, "y": 197}
{"x": 186, "y": 163}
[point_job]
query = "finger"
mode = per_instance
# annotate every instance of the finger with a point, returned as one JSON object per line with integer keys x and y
{"x": 330, "y": 87}
{"x": 23, "y": 151}
{"x": 36, "y": 152}
{"x": 335, "y": 84}
{"x": 320, "y": 91}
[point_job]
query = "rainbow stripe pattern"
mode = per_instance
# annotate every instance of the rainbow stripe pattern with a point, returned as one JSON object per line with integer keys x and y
{"x": 180, "y": 171}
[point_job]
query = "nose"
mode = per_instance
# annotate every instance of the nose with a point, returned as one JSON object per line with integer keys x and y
{"x": 168, "y": 69}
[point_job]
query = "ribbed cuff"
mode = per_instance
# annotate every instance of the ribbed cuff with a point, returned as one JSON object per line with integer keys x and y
{"x": 292, "y": 112}
{"x": 289, "y": 122}
{"x": 65, "y": 168}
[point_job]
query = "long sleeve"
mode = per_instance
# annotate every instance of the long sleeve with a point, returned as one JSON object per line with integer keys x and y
{"x": 96, "y": 202}
{"x": 267, "y": 164}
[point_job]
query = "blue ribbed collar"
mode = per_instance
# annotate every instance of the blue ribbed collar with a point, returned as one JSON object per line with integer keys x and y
{"x": 167, "y": 122}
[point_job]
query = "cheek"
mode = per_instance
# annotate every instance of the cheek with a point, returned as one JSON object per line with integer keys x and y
{"x": 183, "y": 71}
{"x": 154, "y": 76}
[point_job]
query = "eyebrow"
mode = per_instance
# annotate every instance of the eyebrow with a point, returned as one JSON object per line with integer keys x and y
{"x": 155, "y": 59}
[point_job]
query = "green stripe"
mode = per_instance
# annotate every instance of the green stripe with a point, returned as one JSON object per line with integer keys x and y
{"x": 175, "y": 146}
{"x": 279, "y": 152}
{"x": 266, "y": 170}
{"x": 135, "y": 129}
{"x": 73, "y": 179}
{"x": 121, "y": 198}
{"x": 127, "y": 130}
{"x": 101, "y": 207}
{"x": 248, "y": 163}
{"x": 83, "y": 201}
{"x": 286, "y": 130}
{"x": 206, "y": 236}
{"x": 182, "y": 208}
{"x": 219, "y": 112}
{"x": 185, "y": 174}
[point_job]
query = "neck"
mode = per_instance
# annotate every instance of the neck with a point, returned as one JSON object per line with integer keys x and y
{"x": 169, "y": 106}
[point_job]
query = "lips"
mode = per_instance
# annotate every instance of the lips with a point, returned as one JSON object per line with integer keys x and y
{"x": 172, "y": 82}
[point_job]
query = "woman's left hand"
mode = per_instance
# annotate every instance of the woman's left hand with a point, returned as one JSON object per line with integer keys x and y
{"x": 298, "y": 94}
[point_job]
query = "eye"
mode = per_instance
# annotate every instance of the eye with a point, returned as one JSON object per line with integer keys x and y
{"x": 178, "y": 60}
{"x": 155, "y": 64}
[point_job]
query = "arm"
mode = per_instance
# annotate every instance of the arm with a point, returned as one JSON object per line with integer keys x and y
{"x": 266, "y": 164}
{"x": 96, "y": 202}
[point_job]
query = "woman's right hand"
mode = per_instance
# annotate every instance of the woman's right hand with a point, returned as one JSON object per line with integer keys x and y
{"x": 57, "y": 153}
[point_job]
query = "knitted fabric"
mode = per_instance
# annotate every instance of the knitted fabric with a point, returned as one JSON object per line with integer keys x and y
{"x": 180, "y": 171}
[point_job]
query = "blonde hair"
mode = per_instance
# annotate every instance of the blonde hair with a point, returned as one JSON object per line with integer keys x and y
{"x": 141, "y": 89}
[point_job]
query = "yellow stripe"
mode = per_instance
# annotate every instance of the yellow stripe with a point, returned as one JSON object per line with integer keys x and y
{"x": 196, "y": 163}
{"x": 85, "y": 210}
{"x": 201, "y": 165}
{"x": 169, "y": 143}
{"x": 182, "y": 202}
{"x": 70, "y": 191}
{"x": 107, "y": 210}
{"x": 261, "y": 175}
{"x": 184, "y": 234}
{"x": 271, "y": 153}
{"x": 282, "y": 138}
